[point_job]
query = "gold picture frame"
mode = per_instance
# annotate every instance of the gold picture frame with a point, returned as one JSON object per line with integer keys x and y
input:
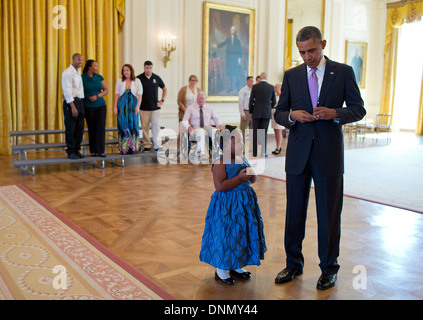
{"x": 356, "y": 57}
{"x": 228, "y": 50}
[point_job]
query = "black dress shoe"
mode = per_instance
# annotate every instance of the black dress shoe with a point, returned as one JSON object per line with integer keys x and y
{"x": 228, "y": 281}
{"x": 287, "y": 275}
{"x": 73, "y": 156}
{"x": 244, "y": 275}
{"x": 79, "y": 154}
{"x": 326, "y": 281}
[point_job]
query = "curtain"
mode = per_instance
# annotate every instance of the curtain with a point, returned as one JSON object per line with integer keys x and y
{"x": 397, "y": 16}
{"x": 38, "y": 39}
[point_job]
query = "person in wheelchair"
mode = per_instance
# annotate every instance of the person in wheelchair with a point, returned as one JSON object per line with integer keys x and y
{"x": 198, "y": 121}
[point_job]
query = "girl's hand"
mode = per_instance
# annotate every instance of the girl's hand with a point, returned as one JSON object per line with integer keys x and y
{"x": 251, "y": 171}
{"x": 252, "y": 174}
{"x": 243, "y": 175}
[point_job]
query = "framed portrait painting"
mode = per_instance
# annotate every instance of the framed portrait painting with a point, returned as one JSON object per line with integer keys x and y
{"x": 228, "y": 50}
{"x": 356, "y": 57}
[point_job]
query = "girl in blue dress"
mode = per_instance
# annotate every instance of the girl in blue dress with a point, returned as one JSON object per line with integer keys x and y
{"x": 233, "y": 235}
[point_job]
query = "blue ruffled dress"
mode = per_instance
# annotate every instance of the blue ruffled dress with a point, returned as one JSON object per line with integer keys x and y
{"x": 233, "y": 235}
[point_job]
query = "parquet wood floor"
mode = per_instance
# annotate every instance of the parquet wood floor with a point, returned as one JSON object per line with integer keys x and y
{"x": 152, "y": 216}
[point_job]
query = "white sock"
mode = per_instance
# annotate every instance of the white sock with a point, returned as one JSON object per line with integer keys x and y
{"x": 241, "y": 270}
{"x": 223, "y": 274}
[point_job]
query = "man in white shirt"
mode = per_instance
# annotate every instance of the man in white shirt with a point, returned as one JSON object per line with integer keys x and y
{"x": 199, "y": 116}
{"x": 244, "y": 100}
{"x": 73, "y": 107}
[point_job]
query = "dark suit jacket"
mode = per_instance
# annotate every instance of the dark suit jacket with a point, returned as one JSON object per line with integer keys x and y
{"x": 262, "y": 100}
{"x": 339, "y": 86}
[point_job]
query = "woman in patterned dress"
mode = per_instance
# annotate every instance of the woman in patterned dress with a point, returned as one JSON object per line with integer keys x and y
{"x": 128, "y": 95}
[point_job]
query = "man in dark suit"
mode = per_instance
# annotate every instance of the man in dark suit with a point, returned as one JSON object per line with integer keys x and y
{"x": 311, "y": 106}
{"x": 262, "y": 99}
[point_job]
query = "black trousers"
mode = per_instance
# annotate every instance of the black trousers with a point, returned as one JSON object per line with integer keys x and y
{"x": 74, "y": 127}
{"x": 329, "y": 201}
{"x": 96, "y": 121}
{"x": 260, "y": 123}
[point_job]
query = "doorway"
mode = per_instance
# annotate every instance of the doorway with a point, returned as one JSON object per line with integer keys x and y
{"x": 409, "y": 77}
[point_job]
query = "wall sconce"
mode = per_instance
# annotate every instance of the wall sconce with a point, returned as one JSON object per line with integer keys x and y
{"x": 168, "y": 46}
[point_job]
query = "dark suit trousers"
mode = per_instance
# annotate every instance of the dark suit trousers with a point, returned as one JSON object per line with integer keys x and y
{"x": 329, "y": 200}
{"x": 258, "y": 138}
{"x": 74, "y": 127}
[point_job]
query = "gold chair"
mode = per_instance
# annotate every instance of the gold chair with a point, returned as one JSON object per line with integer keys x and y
{"x": 383, "y": 125}
{"x": 365, "y": 126}
{"x": 347, "y": 130}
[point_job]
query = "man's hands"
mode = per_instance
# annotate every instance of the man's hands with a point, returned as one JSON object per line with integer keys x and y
{"x": 319, "y": 113}
{"x": 302, "y": 116}
{"x": 74, "y": 110}
{"x": 323, "y": 113}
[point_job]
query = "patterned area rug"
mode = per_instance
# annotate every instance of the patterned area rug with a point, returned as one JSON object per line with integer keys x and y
{"x": 43, "y": 256}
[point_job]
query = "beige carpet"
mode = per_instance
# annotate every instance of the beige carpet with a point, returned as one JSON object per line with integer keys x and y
{"x": 385, "y": 174}
{"x": 43, "y": 256}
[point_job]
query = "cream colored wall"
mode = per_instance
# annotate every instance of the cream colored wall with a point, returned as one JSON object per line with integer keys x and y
{"x": 146, "y": 20}
{"x": 363, "y": 21}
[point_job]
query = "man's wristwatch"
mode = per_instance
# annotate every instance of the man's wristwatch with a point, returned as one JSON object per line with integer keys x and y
{"x": 162, "y": 100}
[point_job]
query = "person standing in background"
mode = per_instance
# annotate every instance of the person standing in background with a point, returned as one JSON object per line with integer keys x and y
{"x": 95, "y": 89}
{"x": 244, "y": 109}
{"x": 151, "y": 105}
{"x": 73, "y": 107}
{"x": 280, "y": 131}
{"x": 187, "y": 96}
{"x": 262, "y": 99}
{"x": 128, "y": 96}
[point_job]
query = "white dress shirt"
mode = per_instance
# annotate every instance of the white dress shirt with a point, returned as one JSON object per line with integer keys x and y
{"x": 244, "y": 100}
{"x": 72, "y": 84}
{"x": 192, "y": 116}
